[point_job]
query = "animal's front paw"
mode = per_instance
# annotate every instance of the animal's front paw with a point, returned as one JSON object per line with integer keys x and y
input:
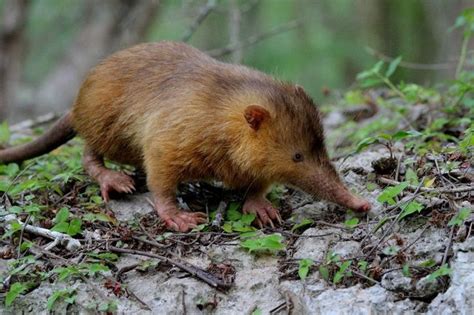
{"x": 264, "y": 211}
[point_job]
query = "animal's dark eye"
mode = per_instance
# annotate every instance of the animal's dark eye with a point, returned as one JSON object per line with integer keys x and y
{"x": 298, "y": 157}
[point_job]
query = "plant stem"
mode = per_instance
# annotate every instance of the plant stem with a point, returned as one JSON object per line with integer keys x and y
{"x": 462, "y": 57}
{"x": 390, "y": 85}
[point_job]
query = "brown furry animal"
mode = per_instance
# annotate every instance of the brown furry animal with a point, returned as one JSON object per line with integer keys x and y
{"x": 180, "y": 115}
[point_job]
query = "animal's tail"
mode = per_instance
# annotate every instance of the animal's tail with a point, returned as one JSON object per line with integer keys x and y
{"x": 60, "y": 133}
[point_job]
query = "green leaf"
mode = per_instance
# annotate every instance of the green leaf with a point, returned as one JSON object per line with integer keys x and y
{"x": 341, "y": 272}
{"x": 96, "y": 268}
{"x": 460, "y": 217}
{"x": 406, "y": 270}
{"x": 303, "y": 223}
{"x": 10, "y": 169}
{"x": 15, "y": 290}
{"x": 444, "y": 270}
{"x": 62, "y": 215}
{"x": 54, "y": 297}
{"x": 351, "y": 223}
{"x": 324, "y": 272}
{"x": 428, "y": 263}
{"x": 61, "y": 227}
{"x": 391, "y": 250}
{"x": 233, "y": 213}
{"x": 227, "y": 227}
{"x": 247, "y": 218}
{"x": 74, "y": 227}
{"x": 365, "y": 143}
{"x": 15, "y": 209}
{"x": 393, "y": 66}
{"x": 303, "y": 269}
{"x": 377, "y": 67}
{"x": 411, "y": 177}
{"x": 272, "y": 243}
{"x": 411, "y": 207}
{"x": 389, "y": 193}
{"x": 362, "y": 265}
{"x": 257, "y": 311}
{"x": 405, "y": 134}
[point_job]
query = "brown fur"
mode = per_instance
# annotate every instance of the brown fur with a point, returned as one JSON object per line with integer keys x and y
{"x": 180, "y": 115}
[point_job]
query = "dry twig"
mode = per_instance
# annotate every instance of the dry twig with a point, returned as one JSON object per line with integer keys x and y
{"x": 252, "y": 40}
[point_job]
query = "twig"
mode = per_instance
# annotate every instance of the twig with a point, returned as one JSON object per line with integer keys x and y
{"x": 397, "y": 172}
{"x": 70, "y": 243}
{"x": 252, "y": 40}
{"x": 201, "y": 274}
{"x": 360, "y": 275}
{"x": 21, "y": 234}
{"x": 125, "y": 269}
{"x": 234, "y": 31}
{"x": 448, "y": 247}
{"x": 392, "y": 182}
{"x": 203, "y": 13}
{"x": 220, "y": 213}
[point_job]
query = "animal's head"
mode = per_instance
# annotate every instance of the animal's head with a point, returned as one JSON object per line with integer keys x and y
{"x": 288, "y": 146}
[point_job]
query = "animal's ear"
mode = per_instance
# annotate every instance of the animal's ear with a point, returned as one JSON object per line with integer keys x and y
{"x": 255, "y": 115}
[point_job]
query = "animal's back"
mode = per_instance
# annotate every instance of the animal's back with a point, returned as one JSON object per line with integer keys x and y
{"x": 120, "y": 95}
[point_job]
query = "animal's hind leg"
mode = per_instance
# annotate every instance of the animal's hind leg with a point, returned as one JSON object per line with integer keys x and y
{"x": 108, "y": 180}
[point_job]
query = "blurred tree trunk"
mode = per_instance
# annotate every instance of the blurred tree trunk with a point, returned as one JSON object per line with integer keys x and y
{"x": 108, "y": 26}
{"x": 12, "y": 42}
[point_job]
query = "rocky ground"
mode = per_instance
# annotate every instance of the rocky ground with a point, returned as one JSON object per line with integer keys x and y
{"x": 390, "y": 261}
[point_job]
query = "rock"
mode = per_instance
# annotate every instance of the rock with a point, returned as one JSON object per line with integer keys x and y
{"x": 317, "y": 210}
{"x": 334, "y": 119}
{"x": 356, "y": 300}
{"x": 459, "y": 298}
{"x": 130, "y": 206}
{"x": 426, "y": 289}
{"x": 430, "y": 246}
{"x": 346, "y": 249}
{"x": 396, "y": 281}
{"x": 361, "y": 161}
{"x": 315, "y": 248}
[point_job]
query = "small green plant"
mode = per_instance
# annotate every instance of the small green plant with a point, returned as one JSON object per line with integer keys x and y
{"x": 460, "y": 217}
{"x": 351, "y": 223}
{"x": 68, "y": 295}
{"x": 465, "y": 21}
{"x": 388, "y": 194}
{"x": 376, "y": 76}
{"x": 304, "y": 266}
{"x": 64, "y": 225}
{"x": 84, "y": 269}
{"x": 444, "y": 270}
{"x": 386, "y": 140}
{"x": 303, "y": 224}
{"x": 15, "y": 290}
{"x": 267, "y": 243}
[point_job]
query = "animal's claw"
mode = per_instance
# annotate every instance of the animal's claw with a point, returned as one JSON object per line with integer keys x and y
{"x": 111, "y": 181}
{"x": 180, "y": 221}
{"x": 264, "y": 211}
